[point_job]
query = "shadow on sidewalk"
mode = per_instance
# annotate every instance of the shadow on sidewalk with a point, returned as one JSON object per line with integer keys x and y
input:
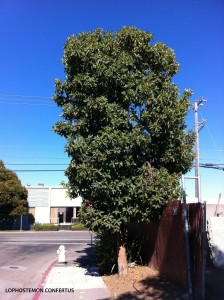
{"x": 214, "y": 283}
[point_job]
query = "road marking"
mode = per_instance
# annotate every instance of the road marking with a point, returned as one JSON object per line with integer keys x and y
{"x": 39, "y": 243}
{"x": 38, "y": 240}
{"x": 13, "y": 268}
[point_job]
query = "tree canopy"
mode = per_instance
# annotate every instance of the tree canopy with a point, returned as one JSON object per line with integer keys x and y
{"x": 124, "y": 122}
{"x": 13, "y": 196}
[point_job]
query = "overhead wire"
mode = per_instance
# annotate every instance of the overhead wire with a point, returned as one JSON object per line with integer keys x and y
{"x": 213, "y": 140}
{"x": 27, "y": 103}
{"x": 25, "y": 96}
{"x": 37, "y": 100}
{"x": 26, "y": 100}
{"x": 38, "y": 170}
{"x": 39, "y": 164}
{"x": 36, "y": 157}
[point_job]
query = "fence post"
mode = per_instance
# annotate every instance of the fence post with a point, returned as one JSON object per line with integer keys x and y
{"x": 186, "y": 233}
{"x": 21, "y": 222}
{"x": 203, "y": 267}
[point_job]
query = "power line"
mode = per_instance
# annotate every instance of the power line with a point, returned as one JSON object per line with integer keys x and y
{"x": 212, "y": 166}
{"x": 25, "y": 96}
{"x": 10, "y": 146}
{"x": 29, "y": 104}
{"x": 213, "y": 159}
{"x": 212, "y": 149}
{"x": 39, "y": 164}
{"x": 216, "y": 148}
{"x": 38, "y": 157}
{"x": 38, "y": 170}
{"x": 26, "y": 100}
{"x": 33, "y": 170}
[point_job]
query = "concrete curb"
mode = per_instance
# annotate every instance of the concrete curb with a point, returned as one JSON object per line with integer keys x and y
{"x": 44, "y": 279}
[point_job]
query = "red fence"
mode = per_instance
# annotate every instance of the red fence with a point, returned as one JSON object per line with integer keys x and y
{"x": 163, "y": 243}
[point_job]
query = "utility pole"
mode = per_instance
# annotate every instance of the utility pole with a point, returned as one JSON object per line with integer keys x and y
{"x": 197, "y": 128}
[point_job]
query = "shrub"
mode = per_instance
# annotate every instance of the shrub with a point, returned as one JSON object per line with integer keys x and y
{"x": 133, "y": 247}
{"x": 44, "y": 227}
{"x": 78, "y": 226}
{"x": 106, "y": 252}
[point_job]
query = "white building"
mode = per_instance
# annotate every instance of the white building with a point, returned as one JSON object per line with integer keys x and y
{"x": 52, "y": 204}
{"x": 214, "y": 207}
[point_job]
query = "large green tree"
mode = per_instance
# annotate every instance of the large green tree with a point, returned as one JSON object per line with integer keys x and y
{"x": 124, "y": 122}
{"x": 13, "y": 196}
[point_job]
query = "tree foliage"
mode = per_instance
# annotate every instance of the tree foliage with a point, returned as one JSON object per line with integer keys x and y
{"x": 13, "y": 196}
{"x": 124, "y": 122}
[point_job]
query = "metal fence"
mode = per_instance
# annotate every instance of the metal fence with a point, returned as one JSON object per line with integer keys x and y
{"x": 164, "y": 244}
{"x": 16, "y": 223}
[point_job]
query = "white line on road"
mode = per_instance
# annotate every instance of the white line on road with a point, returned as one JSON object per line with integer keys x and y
{"x": 34, "y": 239}
{"x": 38, "y": 243}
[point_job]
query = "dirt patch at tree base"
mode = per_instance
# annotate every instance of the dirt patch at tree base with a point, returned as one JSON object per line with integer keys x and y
{"x": 142, "y": 283}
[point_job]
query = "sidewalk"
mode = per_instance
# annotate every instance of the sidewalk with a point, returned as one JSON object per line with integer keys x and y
{"x": 215, "y": 283}
{"x": 73, "y": 281}
{"x": 77, "y": 283}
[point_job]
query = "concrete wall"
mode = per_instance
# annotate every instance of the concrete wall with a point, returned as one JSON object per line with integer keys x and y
{"x": 38, "y": 196}
{"x": 212, "y": 206}
{"x": 216, "y": 240}
{"x": 59, "y": 198}
{"x": 51, "y": 197}
{"x": 42, "y": 214}
{"x": 41, "y": 199}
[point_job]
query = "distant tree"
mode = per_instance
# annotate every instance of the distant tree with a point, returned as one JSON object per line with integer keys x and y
{"x": 13, "y": 196}
{"x": 124, "y": 122}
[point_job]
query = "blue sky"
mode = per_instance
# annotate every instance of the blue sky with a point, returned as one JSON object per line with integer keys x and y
{"x": 33, "y": 34}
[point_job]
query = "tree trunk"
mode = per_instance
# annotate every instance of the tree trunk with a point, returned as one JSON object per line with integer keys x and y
{"x": 122, "y": 258}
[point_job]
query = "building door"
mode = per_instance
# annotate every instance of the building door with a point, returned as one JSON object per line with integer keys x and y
{"x": 69, "y": 214}
{"x": 62, "y": 214}
{"x": 65, "y": 214}
{"x": 61, "y": 217}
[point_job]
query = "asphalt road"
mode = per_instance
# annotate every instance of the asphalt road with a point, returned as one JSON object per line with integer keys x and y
{"x": 25, "y": 257}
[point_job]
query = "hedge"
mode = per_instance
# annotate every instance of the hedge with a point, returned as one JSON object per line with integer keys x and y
{"x": 44, "y": 227}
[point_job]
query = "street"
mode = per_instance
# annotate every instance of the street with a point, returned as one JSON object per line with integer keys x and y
{"x": 25, "y": 256}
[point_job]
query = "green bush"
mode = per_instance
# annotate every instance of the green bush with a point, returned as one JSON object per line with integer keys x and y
{"x": 133, "y": 250}
{"x": 106, "y": 252}
{"x": 44, "y": 227}
{"x": 78, "y": 226}
{"x": 36, "y": 226}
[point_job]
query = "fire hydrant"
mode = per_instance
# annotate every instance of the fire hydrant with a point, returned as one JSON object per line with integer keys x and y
{"x": 61, "y": 254}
